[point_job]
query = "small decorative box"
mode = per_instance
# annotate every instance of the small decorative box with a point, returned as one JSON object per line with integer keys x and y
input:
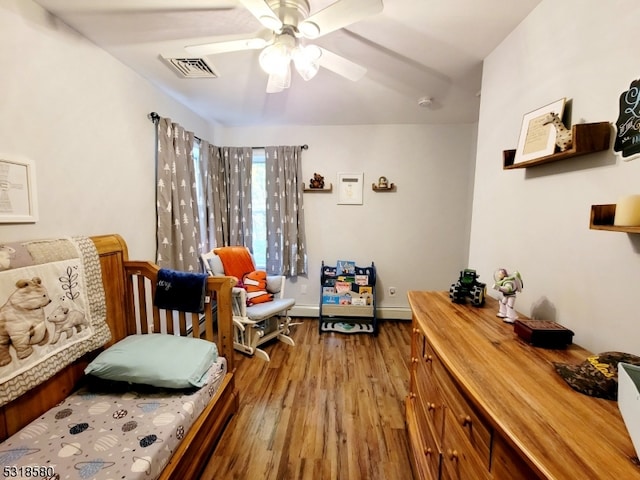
{"x": 543, "y": 333}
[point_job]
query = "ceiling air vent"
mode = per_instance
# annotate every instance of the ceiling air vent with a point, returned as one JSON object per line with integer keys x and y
{"x": 192, "y": 67}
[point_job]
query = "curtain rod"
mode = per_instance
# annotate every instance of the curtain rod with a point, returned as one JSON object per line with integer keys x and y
{"x": 303, "y": 147}
{"x": 155, "y": 118}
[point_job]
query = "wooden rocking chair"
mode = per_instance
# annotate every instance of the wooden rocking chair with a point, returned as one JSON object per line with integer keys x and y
{"x": 256, "y": 324}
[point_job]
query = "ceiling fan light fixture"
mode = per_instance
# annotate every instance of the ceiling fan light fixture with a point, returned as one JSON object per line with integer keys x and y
{"x": 309, "y": 29}
{"x": 279, "y": 82}
{"x": 306, "y": 59}
{"x": 275, "y": 59}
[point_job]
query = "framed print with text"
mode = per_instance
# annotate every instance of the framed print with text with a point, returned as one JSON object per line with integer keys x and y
{"x": 18, "y": 202}
{"x": 350, "y": 188}
{"x": 537, "y": 139}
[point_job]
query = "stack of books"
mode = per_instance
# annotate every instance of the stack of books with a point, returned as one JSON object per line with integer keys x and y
{"x": 347, "y": 288}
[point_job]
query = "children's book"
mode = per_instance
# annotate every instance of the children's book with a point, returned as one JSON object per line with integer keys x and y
{"x": 345, "y": 300}
{"x": 346, "y": 267}
{"x": 365, "y": 289}
{"x": 331, "y": 299}
{"x": 362, "y": 279}
{"x": 328, "y": 290}
{"x": 343, "y": 287}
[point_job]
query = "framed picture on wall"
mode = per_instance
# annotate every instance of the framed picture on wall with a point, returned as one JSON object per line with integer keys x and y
{"x": 537, "y": 139}
{"x": 350, "y": 188}
{"x": 18, "y": 202}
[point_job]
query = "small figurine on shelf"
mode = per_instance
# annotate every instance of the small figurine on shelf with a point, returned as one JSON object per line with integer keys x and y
{"x": 508, "y": 285}
{"x": 317, "y": 181}
{"x": 383, "y": 182}
{"x": 564, "y": 136}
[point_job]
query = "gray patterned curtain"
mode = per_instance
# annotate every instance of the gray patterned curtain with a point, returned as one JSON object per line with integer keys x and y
{"x": 178, "y": 229}
{"x": 286, "y": 243}
{"x": 230, "y": 187}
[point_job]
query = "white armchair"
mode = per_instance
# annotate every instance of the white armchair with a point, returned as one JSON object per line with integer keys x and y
{"x": 255, "y": 325}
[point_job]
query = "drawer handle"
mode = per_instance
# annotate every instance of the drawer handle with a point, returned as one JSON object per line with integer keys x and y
{"x": 431, "y": 406}
{"x": 412, "y": 395}
{"x": 453, "y": 455}
{"x": 428, "y": 452}
{"x": 465, "y": 420}
{"x": 428, "y": 358}
{"x": 414, "y": 360}
{"x": 415, "y": 330}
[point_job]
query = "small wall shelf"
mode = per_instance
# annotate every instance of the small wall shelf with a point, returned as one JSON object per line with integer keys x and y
{"x": 602, "y": 219}
{"x": 319, "y": 190}
{"x": 390, "y": 188}
{"x": 587, "y": 138}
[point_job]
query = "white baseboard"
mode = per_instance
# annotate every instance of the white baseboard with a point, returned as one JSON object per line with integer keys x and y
{"x": 388, "y": 313}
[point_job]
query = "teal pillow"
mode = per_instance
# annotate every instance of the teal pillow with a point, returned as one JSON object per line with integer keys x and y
{"x": 156, "y": 359}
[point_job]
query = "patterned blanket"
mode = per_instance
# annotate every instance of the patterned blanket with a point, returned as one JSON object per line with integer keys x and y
{"x": 52, "y": 310}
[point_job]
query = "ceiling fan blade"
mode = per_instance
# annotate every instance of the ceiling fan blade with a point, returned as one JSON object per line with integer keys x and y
{"x": 278, "y": 83}
{"x": 233, "y": 43}
{"x": 263, "y": 13}
{"x": 341, "y": 66}
{"x": 338, "y": 15}
{"x": 126, "y": 6}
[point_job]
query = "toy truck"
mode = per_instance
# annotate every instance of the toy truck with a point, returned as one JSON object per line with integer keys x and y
{"x": 468, "y": 286}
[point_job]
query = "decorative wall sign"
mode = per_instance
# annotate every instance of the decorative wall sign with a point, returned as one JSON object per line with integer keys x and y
{"x": 17, "y": 190}
{"x": 350, "y": 188}
{"x": 536, "y": 139}
{"x": 627, "y": 142}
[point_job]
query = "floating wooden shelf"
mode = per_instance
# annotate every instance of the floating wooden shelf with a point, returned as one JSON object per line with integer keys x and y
{"x": 318, "y": 190}
{"x": 390, "y": 188}
{"x": 602, "y": 219}
{"x": 587, "y": 138}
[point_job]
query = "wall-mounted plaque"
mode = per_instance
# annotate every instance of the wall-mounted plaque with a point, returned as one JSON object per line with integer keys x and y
{"x": 627, "y": 142}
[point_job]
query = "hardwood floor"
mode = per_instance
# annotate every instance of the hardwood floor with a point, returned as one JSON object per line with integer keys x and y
{"x": 332, "y": 407}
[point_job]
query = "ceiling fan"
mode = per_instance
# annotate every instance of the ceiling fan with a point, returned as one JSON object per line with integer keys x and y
{"x": 287, "y": 23}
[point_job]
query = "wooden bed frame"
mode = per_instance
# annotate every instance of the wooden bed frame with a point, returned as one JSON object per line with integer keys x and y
{"x": 129, "y": 287}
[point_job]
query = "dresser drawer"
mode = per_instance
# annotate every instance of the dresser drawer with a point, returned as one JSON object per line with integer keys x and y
{"x": 426, "y": 455}
{"x": 460, "y": 460}
{"x": 461, "y": 414}
{"x": 429, "y": 410}
{"x": 429, "y": 399}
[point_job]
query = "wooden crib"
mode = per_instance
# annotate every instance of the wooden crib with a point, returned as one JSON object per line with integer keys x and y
{"x": 129, "y": 287}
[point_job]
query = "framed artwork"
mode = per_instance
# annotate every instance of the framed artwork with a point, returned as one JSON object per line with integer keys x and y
{"x": 18, "y": 202}
{"x": 350, "y": 188}
{"x": 536, "y": 139}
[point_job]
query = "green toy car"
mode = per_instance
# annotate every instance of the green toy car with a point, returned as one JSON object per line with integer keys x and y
{"x": 468, "y": 286}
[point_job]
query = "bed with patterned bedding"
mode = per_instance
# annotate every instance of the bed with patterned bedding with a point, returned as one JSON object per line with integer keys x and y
{"x": 110, "y": 430}
{"x": 73, "y": 418}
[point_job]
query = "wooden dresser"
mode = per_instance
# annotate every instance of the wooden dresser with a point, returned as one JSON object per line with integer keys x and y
{"x": 483, "y": 404}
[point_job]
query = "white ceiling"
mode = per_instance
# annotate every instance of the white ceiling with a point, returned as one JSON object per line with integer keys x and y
{"x": 412, "y": 49}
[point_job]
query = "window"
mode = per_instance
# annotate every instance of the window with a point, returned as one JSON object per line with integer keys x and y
{"x": 259, "y": 208}
{"x": 201, "y": 200}
{"x": 258, "y": 204}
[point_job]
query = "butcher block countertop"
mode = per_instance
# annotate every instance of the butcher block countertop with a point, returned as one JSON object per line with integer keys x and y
{"x": 560, "y": 433}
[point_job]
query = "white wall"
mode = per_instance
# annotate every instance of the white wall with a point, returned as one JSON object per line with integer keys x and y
{"x": 536, "y": 220}
{"x": 417, "y": 236}
{"x": 81, "y": 116}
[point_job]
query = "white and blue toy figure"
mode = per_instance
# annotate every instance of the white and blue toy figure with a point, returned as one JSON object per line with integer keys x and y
{"x": 508, "y": 285}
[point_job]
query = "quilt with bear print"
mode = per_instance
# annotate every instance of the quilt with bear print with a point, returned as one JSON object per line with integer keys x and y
{"x": 52, "y": 310}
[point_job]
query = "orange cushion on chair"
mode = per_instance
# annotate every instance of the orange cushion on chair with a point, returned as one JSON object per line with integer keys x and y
{"x": 236, "y": 260}
{"x": 255, "y": 283}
